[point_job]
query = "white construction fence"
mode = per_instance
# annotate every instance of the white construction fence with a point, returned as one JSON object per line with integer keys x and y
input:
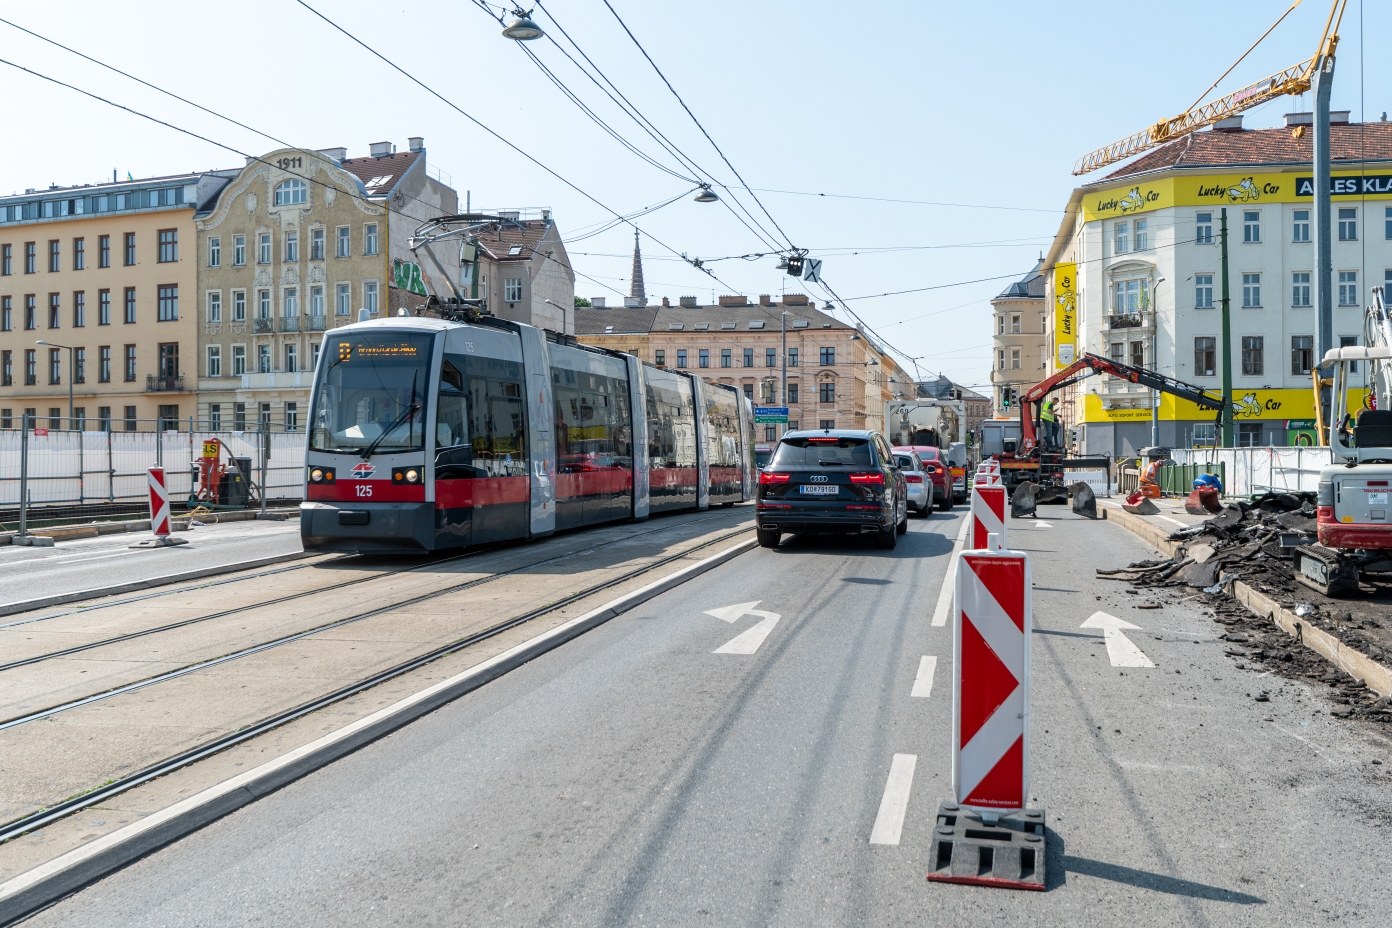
{"x": 1253, "y": 471}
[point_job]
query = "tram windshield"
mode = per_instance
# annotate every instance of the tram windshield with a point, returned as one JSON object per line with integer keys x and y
{"x": 372, "y": 393}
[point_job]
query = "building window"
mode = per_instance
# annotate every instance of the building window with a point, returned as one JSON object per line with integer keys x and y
{"x": 239, "y": 417}
{"x": 292, "y": 247}
{"x": 1251, "y": 291}
{"x": 238, "y": 250}
{"x": 55, "y": 256}
{"x": 770, "y": 357}
{"x": 1300, "y": 225}
{"x": 291, "y": 306}
{"x": 30, "y": 311}
{"x": 792, "y": 357}
{"x": 826, "y": 393}
{"x": 6, "y": 371}
{"x": 169, "y": 303}
{"x": 55, "y": 366}
{"x": 215, "y": 252}
{"x": 263, "y": 359}
{"x": 130, "y": 305}
{"x": 703, "y": 357}
{"x": 54, "y": 308}
{"x": 512, "y": 290}
{"x": 103, "y": 307}
{"x": 344, "y": 245}
{"x": 1249, "y": 434}
{"x": 1205, "y": 351}
{"x": 169, "y": 359}
{"x": 104, "y": 418}
{"x": 1302, "y": 353}
{"x": 1251, "y": 226}
{"x": 6, "y": 260}
{"x": 1347, "y": 341}
{"x": 725, "y": 359}
{"x": 1000, "y": 359}
{"x": 215, "y": 416}
{"x": 55, "y": 418}
{"x": 1014, "y": 359}
{"x": 1203, "y": 228}
{"x": 239, "y": 306}
{"x": 169, "y": 417}
{"x": 168, "y": 245}
{"x": 1253, "y": 365}
{"x": 660, "y": 358}
{"x": 793, "y": 395}
{"x": 1132, "y": 296}
{"x": 1121, "y": 238}
{"x": 263, "y": 253}
{"x": 1348, "y": 224}
{"x": 31, "y": 258}
{"x": 131, "y": 422}
{"x": 749, "y": 357}
{"x": 130, "y": 364}
{"x": 238, "y": 360}
{"x": 1000, "y": 324}
{"x": 263, "y": 304}
{"x": 749, "y": 391}
{"x": 1386, "y": 220}
{"x": 79, "y": 311}
{"x": 31, "y": 367}
{"x": 292, "y": 358}
{"x": 215, "y": 307}
{"x": 828, "y": 357}
{"x": 370, "y": 238}
{"x": 1203, "y": 291}
{"x": 1300, "y": 288}
{"x": 1015, "y": 324}
{"x": 6, "y": 314}
{"x": 316, "y": 302}
{"x": 104, "y": 364}
{"x": 316, "y": 245}
{"x": 79, "y": 254}
{"x": 1348, "y": 288}
{"x": 1142, "y": 235}
{"x": 1205, "y": 434}
{"x": 1138, "y": 354}
{"x": 826, "y": 424}
{"x": 79, "y": 365}
{"x": 370, "y": 297}
{"x": 343, "y": 300}
{"x": 292, "y": 417}
{"x": 103, "y": 251}
{"x": 314, "y": 356}
{"x": 681, "y": 357}
{"x": 291, "y": 193}
{"x": 130, "y": 249}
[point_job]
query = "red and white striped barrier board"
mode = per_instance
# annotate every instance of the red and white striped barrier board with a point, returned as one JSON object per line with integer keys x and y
{"x": 159, "y": 502}
{"x": 988, "y": 517}
{"x": 990, "y": 685}
{"x": 987, "y": 479}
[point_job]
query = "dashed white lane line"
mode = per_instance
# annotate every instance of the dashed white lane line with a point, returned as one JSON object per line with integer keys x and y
{"x": 945, "y": 597}
{"x": 889, "y": 823}
{"x": 923, "y": 683}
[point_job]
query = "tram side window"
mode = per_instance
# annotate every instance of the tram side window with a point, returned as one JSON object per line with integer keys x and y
{"x": 453, "y": 455}
{"x": 723, "y": 417}
{"x": 671, "y": 428}
{"x": 593, "y": 425}
{"x": 497, "y": 427}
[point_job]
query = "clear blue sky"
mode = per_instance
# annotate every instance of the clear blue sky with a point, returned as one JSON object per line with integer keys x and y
{"x": 985, "y": 105}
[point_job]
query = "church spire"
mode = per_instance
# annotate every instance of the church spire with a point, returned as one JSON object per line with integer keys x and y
{"x": 635, "y": 289}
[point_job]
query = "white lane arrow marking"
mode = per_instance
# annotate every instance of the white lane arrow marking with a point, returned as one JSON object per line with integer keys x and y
{"x": 747, "y": 642}
{"x": 1122, "y": 650}
{"x": 1038, "y": 524}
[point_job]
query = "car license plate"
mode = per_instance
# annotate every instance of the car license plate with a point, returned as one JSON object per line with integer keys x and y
{"x": 820, "y": 490}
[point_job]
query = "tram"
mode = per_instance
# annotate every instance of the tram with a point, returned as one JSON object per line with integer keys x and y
{"x": 427, "y": 433}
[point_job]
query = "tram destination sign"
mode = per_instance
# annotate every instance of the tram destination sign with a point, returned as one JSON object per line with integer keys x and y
{"x": 770, "y": 415}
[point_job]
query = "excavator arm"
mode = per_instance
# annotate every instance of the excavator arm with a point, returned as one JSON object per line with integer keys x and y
{"x": 1087, "y": 365}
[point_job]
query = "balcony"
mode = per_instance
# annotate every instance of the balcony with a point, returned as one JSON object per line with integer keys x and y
{"x": 1125, "y": 321}
{"x": 318, "y": 323}
{"x": 289, "y": 323}
{"x": 276, "y": 380}
{"x": 155, "y": 384}
{"x": 264, "y": 325}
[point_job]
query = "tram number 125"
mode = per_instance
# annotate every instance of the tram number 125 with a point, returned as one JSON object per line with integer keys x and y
{"x": 364, "y": 489}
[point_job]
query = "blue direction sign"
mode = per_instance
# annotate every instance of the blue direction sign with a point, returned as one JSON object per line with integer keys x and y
{"x": 769, "y": 415}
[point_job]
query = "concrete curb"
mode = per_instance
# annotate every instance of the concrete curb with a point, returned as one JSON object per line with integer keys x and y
{"x": 93, "y": 529}
{"x": 46, "y": 884}
{"x": 1355, "y": 663}
{"x": 58, "y": 599}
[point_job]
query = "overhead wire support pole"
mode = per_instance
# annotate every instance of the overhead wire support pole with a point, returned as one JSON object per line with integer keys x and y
{"x": 1323, "y": 230}
{"x": 1225, "y": 303}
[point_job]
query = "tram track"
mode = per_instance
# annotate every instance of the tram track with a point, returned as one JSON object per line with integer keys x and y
{"x": 289, "y": 597}
{"x": 28, "y": 823}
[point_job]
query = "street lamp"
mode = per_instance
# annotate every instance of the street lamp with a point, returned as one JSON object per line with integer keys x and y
{"x": 70, "y": 375}
{"x": 522, "y": 28}
{"x": 707, "y": 195}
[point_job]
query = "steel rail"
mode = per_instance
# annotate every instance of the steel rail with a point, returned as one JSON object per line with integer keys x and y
{"x": 28, "y": 823}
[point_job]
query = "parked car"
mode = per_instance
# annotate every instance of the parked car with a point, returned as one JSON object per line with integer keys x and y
{"x": 832, "y": 481}
{"x": 919, "y": 482}
{"x": 936, "y": 468}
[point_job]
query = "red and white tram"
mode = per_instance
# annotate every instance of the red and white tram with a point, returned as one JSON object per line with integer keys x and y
{"x": 426, "y": 433}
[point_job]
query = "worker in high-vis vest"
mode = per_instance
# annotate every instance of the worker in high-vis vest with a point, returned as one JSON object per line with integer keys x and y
{"x": 1049, "y": 416}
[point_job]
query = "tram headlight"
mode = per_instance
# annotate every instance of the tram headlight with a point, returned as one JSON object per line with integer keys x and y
{"x": 413, "y": 476}
{"x": 321, "y": 475}
{"x": 406, "y": 475}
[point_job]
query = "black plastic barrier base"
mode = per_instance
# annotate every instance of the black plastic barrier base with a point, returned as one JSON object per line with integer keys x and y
{"x": 1008, "y": 853}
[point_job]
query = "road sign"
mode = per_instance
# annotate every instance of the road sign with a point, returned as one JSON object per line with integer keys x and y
{"x": 990, "y": 681}
{"x": 812, "y": 270}
{"x": 987, "y": 515}
{"x": 159, "y": 502}
{"x": 768, "y": 415}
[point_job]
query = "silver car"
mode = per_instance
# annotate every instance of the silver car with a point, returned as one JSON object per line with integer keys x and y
{"x": 920, "y": 484}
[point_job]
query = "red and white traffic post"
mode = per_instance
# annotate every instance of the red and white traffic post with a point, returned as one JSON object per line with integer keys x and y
{"x": 160, "y": 524}
{"x": 985, "y": 834}
{"x": 988, "y": 518}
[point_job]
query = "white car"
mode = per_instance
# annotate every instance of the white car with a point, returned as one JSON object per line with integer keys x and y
{"x": 920, "y": 484}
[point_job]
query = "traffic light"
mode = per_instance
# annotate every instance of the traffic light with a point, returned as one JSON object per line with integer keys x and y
{"x": 794, "y": 266}
{"x": 1006, "y": 396}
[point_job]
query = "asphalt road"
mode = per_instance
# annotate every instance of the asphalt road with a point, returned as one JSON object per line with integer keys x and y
{"x": 87, "y": 563}
{"x": 641, "y": 776}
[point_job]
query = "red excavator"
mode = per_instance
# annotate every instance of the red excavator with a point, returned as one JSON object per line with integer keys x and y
{"x": 1044, "y": 462}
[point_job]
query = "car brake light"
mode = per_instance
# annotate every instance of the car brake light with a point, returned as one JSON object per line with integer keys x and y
{"x": 914, "y": 478}
{"x": 877, "y": 478}
{"x": 766, "y": 478}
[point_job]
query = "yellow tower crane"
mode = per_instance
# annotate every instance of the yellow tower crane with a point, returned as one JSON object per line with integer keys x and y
{"x": 1292, "y": 81}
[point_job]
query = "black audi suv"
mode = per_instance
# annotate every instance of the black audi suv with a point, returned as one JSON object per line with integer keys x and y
{"x": 832, "y": 481}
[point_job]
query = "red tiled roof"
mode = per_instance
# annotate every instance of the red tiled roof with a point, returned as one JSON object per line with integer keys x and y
{"x": 387, "y": 170}
{"x": 499, "y": 238}
{"x": 1371, "y": 141}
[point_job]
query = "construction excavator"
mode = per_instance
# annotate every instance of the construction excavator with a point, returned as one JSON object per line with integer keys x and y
{"x": 1355, "y": 492}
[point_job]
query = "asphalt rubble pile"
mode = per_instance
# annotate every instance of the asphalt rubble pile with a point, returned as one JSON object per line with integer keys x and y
{"x": 1243, "y": 543}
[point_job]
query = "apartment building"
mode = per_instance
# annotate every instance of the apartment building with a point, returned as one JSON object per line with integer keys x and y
{"x": 1020, "y": 337}
{"x": 98, "y": 289}
{"x": 1136, "y": 262}
{"x": 524, "y": 271}
{"x": 299, "y": 242}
